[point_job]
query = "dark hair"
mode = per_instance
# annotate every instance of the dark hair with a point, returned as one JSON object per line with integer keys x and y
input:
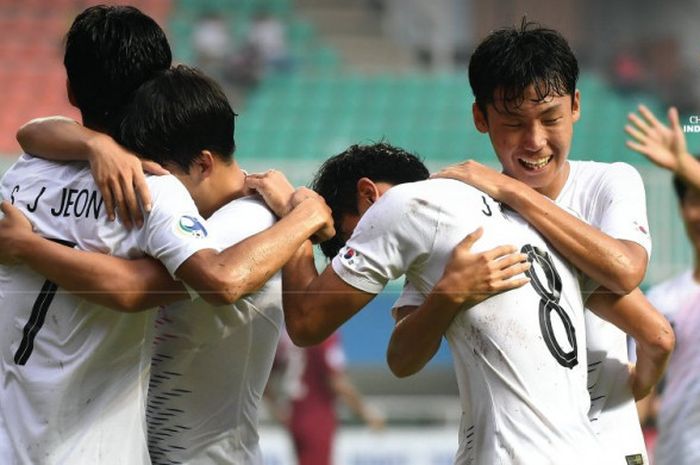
{"x": 680, "y": 186}
{"x": 512, "y": 59}
{"x": 176, "y": 115}
{"x": 336, "y": 180}
{"x": 110, "y": 52}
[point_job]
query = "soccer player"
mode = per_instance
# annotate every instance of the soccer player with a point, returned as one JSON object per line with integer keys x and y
{"x": 522, "y": 376}
{"x": 678, "y": 418}
{"x": 210, "y": 363}
{"x": 312, "y": 380}
{"x": 594, "y": 214}
{"x": 75, "y": 374}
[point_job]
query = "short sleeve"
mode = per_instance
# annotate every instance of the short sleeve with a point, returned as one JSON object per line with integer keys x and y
{"x": 410, "y": 297}
{"x": 622, "y": 203}
{"x": 396, "y": 232}
{"x": 173, "y": 230}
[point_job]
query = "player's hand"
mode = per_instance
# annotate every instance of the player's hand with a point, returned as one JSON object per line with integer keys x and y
{"x": 119, "y": 174}
{"x": 664, "y": 146}
{"x": 486, "y": 179}
{"x": 304, "y": 197}
{"x": 374, "y": 418}
{"x": 274, "y": 188}
{"x": 13, "y": 226}
{"x": 470, "y": 278}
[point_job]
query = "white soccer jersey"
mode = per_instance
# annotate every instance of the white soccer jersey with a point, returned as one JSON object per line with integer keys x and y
{"x": 678, "y": 421}
{"x": 611, "y": 198}
{"x": 211, "y": 364}
{"x": 74, "y": 373}
{"x": 519, "y": 356}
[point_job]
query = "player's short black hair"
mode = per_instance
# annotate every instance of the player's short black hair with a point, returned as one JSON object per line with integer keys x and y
{"x": 680, "y": 186}
{"x": 110, "y": 52}
{"x": 510, "y": 60}
{"x": 176, "y": 115}
{"x": 336, "y": 180}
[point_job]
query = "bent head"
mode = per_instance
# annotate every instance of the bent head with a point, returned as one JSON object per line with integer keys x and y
{"x": 110, "y": 52}
{"x": 351, "y": 182}
{"x": 182, "y": 120}
{"x": 689, "y": 201}
{"x": 524, "y": 84}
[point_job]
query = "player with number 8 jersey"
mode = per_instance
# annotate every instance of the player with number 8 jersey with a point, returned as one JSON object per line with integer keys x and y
{"x": 519, "y": 356}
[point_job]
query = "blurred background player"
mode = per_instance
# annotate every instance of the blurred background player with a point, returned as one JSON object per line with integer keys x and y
{"x": 304, "y": 393}
{"x": 678, "y": 416}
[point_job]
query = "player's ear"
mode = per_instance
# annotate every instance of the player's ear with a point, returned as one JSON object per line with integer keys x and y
{"x": 204, "y": 164}
{"x": 367, "y": 191}
{"x": 480, "y": 120}
{"x": 576, "y": 105}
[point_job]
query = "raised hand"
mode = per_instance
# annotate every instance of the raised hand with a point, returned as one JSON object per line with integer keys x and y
{"x": 663, "y": 145}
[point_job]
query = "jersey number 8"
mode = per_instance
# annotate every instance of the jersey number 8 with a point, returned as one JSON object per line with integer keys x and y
{"x": 549, "y": 304}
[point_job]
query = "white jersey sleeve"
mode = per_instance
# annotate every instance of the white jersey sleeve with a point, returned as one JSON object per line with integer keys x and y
{"x": 394, "y": 233}
{"x": 173, "y": 230}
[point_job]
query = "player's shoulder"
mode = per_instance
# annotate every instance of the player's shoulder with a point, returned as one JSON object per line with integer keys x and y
{"x": 252, "y": 208}
{"x": 166, "y": 188}
{"x": 39, "y": 168}
{"x": 431, "y": 190}
{"x": 590, "y": 170}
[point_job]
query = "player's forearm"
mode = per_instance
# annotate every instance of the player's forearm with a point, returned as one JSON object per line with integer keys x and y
{"x": 416, "y": 338}
{"x": 617, "y": 265}
{"x": 116, "y": 283}
{"x": 57, "y": 138}
{"x": 297, "y": 277}
{"x": 648, "y": 371}
{"x": 651, "y": 331}
{"x": 243, "y": 268}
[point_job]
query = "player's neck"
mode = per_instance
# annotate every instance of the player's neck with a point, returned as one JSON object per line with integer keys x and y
{"x": 696, "y": 270}
{"x": 229, "y": 186}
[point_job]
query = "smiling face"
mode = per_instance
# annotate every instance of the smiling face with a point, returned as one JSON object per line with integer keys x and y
{"x": 532, "y": 140}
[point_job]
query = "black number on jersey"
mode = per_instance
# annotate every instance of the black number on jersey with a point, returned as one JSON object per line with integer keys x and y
{"x": 549, "y": 304}
{"x": 37, "y": 317}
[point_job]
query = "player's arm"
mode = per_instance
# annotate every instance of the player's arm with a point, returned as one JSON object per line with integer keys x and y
{"x": 468, "y": 279}
{"x": 316, "y": 305}
{"x": 651, "y": 331}
{"x": 123, "y": 285}
{"x": 663, "y": 145}
{"x": 344, "y": 388}
{"x": 619, "y": 265}
{"x": 118, "y": 173}
{"x": 224, "y": 277}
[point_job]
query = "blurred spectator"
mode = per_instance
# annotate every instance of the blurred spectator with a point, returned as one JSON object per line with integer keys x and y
{"x": 302, "y": 394}
{"x": 212, "y": 43}
{"x": 267, "y": 36}
{"x": 629, "y": 73}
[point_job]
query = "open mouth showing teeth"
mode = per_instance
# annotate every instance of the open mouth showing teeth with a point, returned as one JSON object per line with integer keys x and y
{"x": 535, "y": 164}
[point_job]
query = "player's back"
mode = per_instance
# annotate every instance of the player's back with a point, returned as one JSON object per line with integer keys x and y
{"x": 74, "y": 373}
{"x": 519, "y": 356}
{"x": 211, "y": 364}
